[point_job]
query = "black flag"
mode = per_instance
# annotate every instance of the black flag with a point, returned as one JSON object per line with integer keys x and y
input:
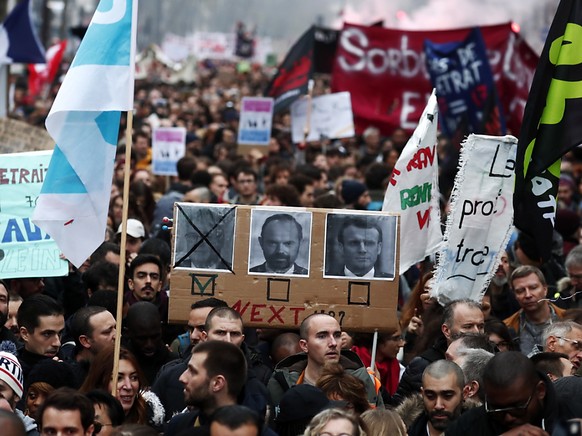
{"x": 551, "y": 127}
{"x": 294, "y": 73}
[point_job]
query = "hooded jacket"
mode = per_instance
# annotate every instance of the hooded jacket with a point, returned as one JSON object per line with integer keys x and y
{"x": 288, "y": 371}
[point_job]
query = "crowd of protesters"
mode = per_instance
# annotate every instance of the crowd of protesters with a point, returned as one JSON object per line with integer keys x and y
{"x": 506, "y": 365}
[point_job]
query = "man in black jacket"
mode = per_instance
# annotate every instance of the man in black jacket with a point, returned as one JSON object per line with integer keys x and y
{"x": 443, "y": 393}
{"x": 518, "y": 399}
{"x": 460, "y": 317}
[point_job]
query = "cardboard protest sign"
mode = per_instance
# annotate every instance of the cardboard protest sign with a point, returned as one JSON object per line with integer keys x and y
{"x": 479, "y": 224}
{"x": 18, "y": 136}
{"x": 413, "y": 190}
{"x": 276, "y": 266}
{"x": 25, "y": 250}
{"x": 331, "y": 117}
{"x": 168, "y": 146}
{"x": 256, "y": 117}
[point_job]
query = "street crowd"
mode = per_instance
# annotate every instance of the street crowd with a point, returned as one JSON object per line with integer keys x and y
{"x": 510, "y": 364}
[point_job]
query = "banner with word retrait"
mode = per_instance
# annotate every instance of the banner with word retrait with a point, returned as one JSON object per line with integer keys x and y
{"x": 385, "y": 73}
{"x": 413, "y": 191}
{"x": 256, "y": 118}
{"x": 25, "y": 250}
{"x": 461, "y": 74}
{"x": 168, "y": 146}
{"x": 480, "y": 221}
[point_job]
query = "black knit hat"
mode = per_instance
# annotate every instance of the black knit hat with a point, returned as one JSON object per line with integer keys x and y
{"x": 56, "y": 374}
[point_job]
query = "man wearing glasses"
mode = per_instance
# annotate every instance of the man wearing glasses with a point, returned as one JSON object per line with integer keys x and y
{"x": 565, "y": 337}
{"x": 518, "y": 400}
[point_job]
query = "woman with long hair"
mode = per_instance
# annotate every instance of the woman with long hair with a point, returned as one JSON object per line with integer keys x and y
{"x": 411, "y": 319}
{"x": 139, "y": 406}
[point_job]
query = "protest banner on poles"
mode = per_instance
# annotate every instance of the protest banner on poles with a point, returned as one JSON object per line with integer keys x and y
{"x": 331, "y": 117}
{"x": 413, "y": 190}
{"x": 168, "y": 146}
{"x": 256, "y": 118}
{"x": 26, "y": 250}
{"x": 480, "y": 221}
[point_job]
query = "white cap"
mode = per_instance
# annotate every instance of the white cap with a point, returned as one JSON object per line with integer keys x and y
{"x": 134, "y": 228}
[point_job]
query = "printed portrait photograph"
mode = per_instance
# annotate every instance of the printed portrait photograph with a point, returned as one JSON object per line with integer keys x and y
{"x": 204, "y": 236}
{"x": 360, "y": 246}
{"x": 280, "y": 242}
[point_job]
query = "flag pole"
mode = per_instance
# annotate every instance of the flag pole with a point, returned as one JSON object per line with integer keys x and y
{"x": 122, "y": 259}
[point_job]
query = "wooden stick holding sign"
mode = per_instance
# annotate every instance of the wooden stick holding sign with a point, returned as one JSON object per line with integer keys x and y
{"x": 122, "y": 257}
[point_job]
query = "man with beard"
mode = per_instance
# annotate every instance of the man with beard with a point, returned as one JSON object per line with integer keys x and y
{"x": 145, "y": 283}
{"x": 5, "y": 333}
{"x": 572, "y": 297}
{"x": 518, "y": 400}
{"x": 143, "y": 337}
{"x": 503, "y": 302}
{"x": 167, "y": 386}
{"x": 442, "y": 394}
{"x": 214, "y": 378}
{"x": 280, "y": 240}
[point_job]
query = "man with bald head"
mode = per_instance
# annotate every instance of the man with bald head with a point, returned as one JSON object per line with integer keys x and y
{"x": 320, "y": 339}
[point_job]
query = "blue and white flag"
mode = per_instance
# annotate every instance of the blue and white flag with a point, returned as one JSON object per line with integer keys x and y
{"x": 84, "y": 122}
{"x": 18, "y": 41}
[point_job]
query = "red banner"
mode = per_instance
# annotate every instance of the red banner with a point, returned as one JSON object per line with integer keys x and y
{"x": 385, "y": 72}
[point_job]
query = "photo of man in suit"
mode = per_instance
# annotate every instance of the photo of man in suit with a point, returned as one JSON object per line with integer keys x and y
{"x": 280, "y": 243}
{"x": 359, "y": 241}
{"x": 202, "y": 240}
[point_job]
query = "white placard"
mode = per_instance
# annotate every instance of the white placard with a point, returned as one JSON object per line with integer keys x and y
{"x": 331, "y": 117}
{"x": 256, "y": 118}
{"x": 168, "y": 146}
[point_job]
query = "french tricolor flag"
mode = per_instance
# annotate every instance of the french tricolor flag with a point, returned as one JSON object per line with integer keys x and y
{"x": 18, "y": 41}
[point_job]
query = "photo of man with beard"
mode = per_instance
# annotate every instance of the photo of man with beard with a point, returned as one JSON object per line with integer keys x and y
{"x": 284, "y": 238}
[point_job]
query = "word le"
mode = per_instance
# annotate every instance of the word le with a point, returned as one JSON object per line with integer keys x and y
{"x": 269, "y": 314}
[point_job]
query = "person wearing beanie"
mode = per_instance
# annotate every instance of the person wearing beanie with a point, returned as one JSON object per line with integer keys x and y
{"x": 11, "y": 388}
{"x": 355, "y": 194}
{"x": 297, "y": 408}
{"x": 44, "y": 378}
